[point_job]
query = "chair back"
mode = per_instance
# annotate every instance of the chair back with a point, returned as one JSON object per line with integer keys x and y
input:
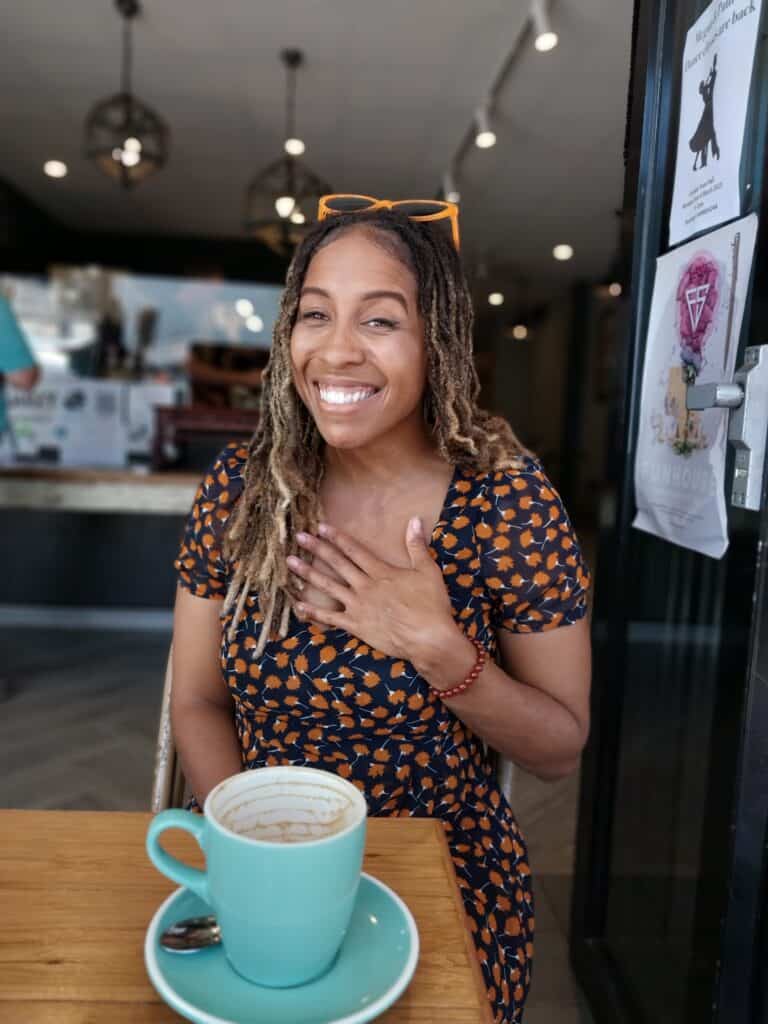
{"x": 168, "y": 783}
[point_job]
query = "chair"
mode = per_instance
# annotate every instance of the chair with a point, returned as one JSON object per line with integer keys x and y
{"x": 168, "y": 785}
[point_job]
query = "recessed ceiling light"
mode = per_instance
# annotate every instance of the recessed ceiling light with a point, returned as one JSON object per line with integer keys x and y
{"x": 255, "y": 323}
{"x": 614, "y": 289}
{"x": 519, "y": 332}
{"x": 496, "y": 299}
{"x": 244, "y": 307}
{"x": 55, "y": 168}
{"x": 563, "y": 251}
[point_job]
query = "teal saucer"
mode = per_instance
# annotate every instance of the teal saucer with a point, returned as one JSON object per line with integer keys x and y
{"x": 373, "y": 968}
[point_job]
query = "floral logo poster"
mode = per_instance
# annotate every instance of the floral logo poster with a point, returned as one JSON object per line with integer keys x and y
{"x": 693, "y": 334}
{"x": 718, "y": 58}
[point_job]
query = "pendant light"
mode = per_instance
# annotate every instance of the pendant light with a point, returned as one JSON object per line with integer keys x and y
{"x": 124, "y": 137}
{"x": 281, "y": 197}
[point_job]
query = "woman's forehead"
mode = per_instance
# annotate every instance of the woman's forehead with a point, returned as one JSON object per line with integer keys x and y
{"x": 362, "y": 258}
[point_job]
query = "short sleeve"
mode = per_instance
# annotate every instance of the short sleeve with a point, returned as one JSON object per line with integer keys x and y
{"x": 532, "y": 564}
{"x": 200, "y": 564}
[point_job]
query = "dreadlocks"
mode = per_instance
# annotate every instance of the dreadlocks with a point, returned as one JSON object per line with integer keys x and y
{"x": 285, "y": 458}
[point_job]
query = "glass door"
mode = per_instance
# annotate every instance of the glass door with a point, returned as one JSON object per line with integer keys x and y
{"x": 667, "y": 922}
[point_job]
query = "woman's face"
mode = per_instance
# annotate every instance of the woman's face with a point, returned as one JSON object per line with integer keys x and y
{"x": 357, "y": 348}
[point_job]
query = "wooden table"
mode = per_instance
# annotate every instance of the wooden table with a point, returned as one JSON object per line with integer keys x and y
{"x": 77, "y": 893}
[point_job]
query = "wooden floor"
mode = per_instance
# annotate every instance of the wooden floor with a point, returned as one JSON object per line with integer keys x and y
{"x": 78, "y": 719}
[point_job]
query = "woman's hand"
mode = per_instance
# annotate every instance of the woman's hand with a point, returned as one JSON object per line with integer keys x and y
{"x": 389, "y": 608}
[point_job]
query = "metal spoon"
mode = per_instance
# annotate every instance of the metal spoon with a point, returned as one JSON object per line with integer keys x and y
{"x": 191, "y": 934}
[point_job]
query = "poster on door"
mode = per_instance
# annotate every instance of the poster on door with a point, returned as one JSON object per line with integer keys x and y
{"x": 717, "y": 67}
{"x": 693, "y": 333}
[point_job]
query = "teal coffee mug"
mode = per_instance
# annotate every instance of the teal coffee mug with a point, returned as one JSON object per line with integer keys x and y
{"x": 284, "y": 851}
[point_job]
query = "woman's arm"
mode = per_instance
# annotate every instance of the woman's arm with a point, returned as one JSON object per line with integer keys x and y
{"x": 533, "y": 710}
{"x": 201, "y": 707}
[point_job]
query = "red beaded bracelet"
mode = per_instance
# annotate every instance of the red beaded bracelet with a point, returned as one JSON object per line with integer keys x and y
{"x": 475, "y": 671}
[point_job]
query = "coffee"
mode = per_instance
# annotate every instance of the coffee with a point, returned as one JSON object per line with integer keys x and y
{"x": 296, "y": 812}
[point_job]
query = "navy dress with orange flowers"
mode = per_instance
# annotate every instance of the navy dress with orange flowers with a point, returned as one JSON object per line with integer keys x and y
{"x": 324, "y": 698}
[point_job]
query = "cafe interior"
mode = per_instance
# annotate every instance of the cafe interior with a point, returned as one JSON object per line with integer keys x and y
{"x": 145, "y": 271}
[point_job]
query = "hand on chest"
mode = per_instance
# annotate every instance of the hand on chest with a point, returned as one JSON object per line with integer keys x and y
{"x": 386, "y": 541}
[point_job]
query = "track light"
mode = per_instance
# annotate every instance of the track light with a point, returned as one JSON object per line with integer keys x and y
{"x": 450, "y": 193}
{"x": 485, "y": 137}
{"x": 545, "y": 39}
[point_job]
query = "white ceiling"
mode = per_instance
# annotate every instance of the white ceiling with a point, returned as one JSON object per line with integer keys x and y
{"x": 385, "y": 98}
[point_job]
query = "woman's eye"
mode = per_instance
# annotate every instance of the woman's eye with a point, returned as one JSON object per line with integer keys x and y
{"x": 380, "y": 321}
{"x": 313, "y": 314}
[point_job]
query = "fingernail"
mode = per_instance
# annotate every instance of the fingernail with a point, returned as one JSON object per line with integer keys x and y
{"x": 302, "y": 536}
{"x": 322, "y": 528}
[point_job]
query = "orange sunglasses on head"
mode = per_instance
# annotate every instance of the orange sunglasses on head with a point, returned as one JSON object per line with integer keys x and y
{"x": 416, "y": 209}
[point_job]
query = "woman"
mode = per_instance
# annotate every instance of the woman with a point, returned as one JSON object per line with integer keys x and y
{"x": 339, "y": 644}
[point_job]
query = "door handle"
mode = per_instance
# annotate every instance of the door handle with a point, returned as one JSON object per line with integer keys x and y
{"x": 747, "y": 398}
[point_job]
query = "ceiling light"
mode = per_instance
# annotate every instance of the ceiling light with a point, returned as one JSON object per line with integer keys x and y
{"x": 55, "y": 168}
{"x": 450, "y": 193}
{"x": 614, "y": 289}
{"x": 286, "y": 184}
{"x": 123, "y": 136}
{"x": 563, "y": 252}
{"x": 545, "y": 39}
{"x": 284, "y": 206}
{"x": 485, "y": 137}
{"x": 255, "y": 323}
{"x": 519, "y": 332}
{"x": 244, "y": 307}
{"x": 496, "y": 299}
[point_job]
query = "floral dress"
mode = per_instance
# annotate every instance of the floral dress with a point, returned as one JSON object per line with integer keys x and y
{"x": 324, "y": 698}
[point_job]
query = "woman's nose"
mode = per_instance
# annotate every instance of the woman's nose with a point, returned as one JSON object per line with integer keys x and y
{"x": 341, "y": 344}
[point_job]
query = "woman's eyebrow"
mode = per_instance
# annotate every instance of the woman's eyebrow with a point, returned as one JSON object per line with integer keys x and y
{"x": 379, "y": 294}
{"x": 397, "y": 296}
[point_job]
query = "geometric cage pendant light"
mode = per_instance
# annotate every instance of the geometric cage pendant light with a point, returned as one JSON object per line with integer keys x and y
{"x": 124, "y": 137}
{"x": 281, "y": 197}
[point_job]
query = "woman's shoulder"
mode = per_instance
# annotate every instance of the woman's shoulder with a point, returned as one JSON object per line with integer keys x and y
{"x": 513, "y": 478}
{"x": 224, "y": 479}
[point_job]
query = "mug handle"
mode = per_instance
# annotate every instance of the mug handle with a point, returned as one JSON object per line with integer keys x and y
{"x": 175, "y": 869}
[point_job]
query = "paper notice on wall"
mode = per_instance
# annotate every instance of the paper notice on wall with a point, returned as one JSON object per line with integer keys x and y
{"x": 717, "y": 67}
{"x": 693, "y": 333}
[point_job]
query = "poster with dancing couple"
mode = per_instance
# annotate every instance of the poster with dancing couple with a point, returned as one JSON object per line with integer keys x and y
{"x": 718, "y": 60}
{"x": 693, "y": 334}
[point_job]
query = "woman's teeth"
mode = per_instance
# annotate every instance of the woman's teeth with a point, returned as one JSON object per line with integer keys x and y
{"x": 345, "y": 396}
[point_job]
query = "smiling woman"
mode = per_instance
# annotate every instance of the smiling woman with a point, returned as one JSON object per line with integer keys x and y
{"x": 440, "y": 603}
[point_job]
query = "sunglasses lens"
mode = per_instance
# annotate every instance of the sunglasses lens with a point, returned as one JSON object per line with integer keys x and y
{"x": 348, "y": 204}
{"x": 419, "y": 207}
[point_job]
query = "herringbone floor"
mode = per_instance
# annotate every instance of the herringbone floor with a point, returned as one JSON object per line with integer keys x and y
{"x": 78, "y": 720}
